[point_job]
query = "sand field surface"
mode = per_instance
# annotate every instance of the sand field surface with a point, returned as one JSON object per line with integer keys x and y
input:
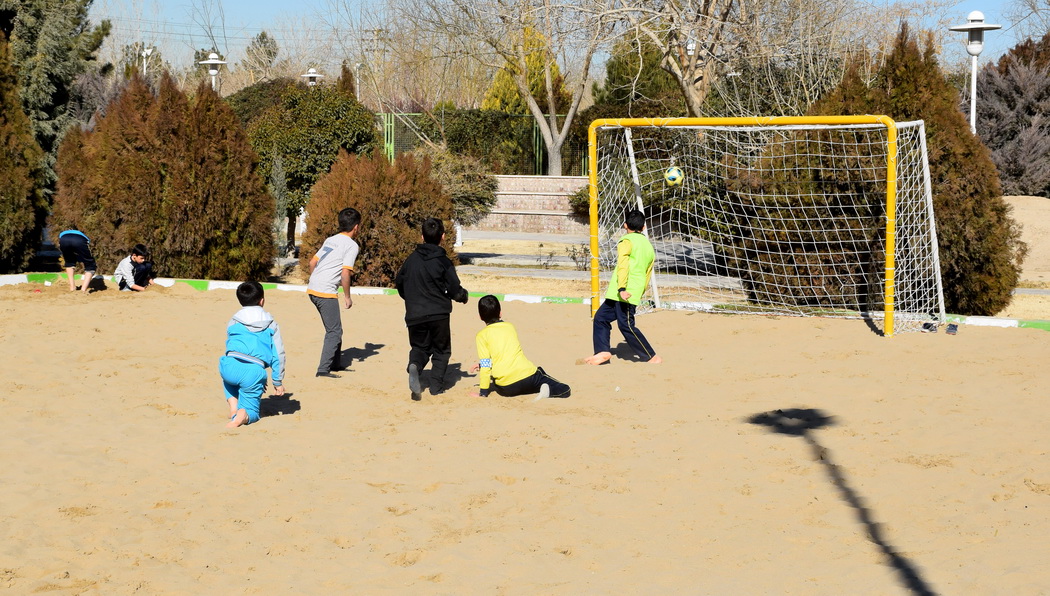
{"x": 765, "y": 456}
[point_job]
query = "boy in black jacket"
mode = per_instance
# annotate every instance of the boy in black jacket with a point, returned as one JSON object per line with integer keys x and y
{"x": 428, "y": 284}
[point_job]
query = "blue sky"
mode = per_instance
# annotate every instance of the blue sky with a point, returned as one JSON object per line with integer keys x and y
{"x": 172, "y": 22}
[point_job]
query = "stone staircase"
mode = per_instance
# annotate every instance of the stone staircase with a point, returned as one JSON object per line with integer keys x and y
{"x": 535, "y": 204}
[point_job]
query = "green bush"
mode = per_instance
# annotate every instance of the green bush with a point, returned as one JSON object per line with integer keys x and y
{"x": 308, "y": 129}
{"x": 466, "y": 180}
{"x": 393, "y": 198}
{"x": 174, "y": 174}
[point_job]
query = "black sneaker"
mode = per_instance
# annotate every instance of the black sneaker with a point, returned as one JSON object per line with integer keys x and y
{"x": 328, "y": 374}
{"x": 413, "y": 382}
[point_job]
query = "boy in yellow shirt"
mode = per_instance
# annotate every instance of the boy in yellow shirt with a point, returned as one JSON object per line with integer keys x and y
{"x": 502, "y": 361}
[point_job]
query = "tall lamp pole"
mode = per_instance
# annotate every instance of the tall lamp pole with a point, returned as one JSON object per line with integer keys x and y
{"x": 213, "y": 63}
{"x": 975, "y": 29}
{"x": 357, "y": 81}
{"x": 145, "y": 58}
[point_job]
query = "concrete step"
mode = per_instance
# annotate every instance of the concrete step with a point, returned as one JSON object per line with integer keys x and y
{"x": 553, "y": 184}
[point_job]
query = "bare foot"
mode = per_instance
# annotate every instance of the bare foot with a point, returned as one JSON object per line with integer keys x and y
{"x": 655, "y": 360}
{"x": 599, "y": 358}
{"x": 238, "y": 419}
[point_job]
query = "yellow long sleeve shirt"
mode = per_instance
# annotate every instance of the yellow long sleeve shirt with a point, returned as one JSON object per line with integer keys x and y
{"x": 501, "y": 357}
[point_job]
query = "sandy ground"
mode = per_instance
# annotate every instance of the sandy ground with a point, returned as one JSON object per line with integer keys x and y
{"x": 765, "y": 456}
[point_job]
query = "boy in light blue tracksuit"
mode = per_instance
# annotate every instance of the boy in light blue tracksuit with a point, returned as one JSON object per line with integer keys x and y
{"x": 253, "y": 344}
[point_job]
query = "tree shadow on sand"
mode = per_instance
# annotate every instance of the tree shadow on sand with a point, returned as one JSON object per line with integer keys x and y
{"x": 801, "y": 423}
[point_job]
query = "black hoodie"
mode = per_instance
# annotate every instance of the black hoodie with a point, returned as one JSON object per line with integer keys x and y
{"x": 428, "y": 284}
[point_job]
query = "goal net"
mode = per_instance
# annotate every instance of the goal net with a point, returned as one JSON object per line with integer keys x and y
{"x": 809, "y": 216}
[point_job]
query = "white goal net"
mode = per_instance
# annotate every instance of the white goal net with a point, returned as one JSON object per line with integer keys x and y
{"x": 827, "y": 216}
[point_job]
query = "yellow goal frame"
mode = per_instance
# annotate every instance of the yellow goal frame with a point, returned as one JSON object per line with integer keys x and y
{"x": 891, "y": 180}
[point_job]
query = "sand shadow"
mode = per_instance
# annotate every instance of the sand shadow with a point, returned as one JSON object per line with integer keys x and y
{"x": 453, "y": 375}
{"x": 351, "y": 355}
{"x": 801, "y": 423}
{"x": 624, "y": 352}
{"x": 278, "y": 405}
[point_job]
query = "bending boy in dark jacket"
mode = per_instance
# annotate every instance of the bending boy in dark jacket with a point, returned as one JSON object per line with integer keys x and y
{"x": 428, "y": 284}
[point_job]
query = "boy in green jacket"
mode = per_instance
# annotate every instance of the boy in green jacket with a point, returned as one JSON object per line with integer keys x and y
{"x": 634, "y": 267}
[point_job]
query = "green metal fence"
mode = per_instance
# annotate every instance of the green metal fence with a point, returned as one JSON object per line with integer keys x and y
{"x": 399, "y": 136}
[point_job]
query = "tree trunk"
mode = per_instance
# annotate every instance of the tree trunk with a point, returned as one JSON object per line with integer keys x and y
{"x": 554, "y": 160}
{"x": 292, "y": 216}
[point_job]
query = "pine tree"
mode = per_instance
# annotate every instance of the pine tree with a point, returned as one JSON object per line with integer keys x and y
{"x": 53, "y": 43}
{"x": 980, "y": 246}
{"x": 633, "y": 74}
{"x": 1012, "y": 116}
{"x": 22, "y": 205}
{"x": 346, "y": 84}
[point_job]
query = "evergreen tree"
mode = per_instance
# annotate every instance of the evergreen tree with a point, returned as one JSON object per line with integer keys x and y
{"x": 253, "y": 101}
{"x": 346, "y": 84}
{"x": 176, "y": 175}
{"x": 1012, "y": 117}
{"x": 22, "y": 205}
{"x": 633, "y": 74}
{"x": 503, "y": 94}
{"x": 111, "y": 178}
{"x": 53, "y": 43}
{"x": 980, "y": 246}
{"x": 393, "y": 199}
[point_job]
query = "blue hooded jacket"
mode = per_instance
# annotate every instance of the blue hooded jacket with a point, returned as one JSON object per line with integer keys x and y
{"x": 253, "y": 336}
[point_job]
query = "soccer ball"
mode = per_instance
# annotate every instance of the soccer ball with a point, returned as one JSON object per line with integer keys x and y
{"x": 674, "y": 176}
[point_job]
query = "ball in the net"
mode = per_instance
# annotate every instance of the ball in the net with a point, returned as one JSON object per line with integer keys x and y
{"x": 674, "y": 176}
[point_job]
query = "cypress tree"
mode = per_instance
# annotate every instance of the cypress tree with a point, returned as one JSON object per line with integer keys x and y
{"x": 110, "y": 178}
{"x": 22, "y": 205}
{"x": 980, "y": 246}
{"x": 176, "y": 175}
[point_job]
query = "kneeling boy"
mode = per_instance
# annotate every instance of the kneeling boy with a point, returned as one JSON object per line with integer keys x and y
{"x": 502, "y": 360}
{"x": 253, "y": 344}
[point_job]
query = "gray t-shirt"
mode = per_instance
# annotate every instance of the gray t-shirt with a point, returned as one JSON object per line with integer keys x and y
{"x": 337, "y": 253}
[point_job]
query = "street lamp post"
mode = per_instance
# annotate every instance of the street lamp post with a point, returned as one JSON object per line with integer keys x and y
{"x": 357, "y": 81}
{"x": 145, "y": 57}
{"x": 975, "y": 29}
{"x": 213, "y": 64}
{"x": 311, "y": 76}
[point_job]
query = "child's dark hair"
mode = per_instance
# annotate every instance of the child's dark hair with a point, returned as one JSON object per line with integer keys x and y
{"x": 140, "y": 250}
{"x": 348, "y": 219}
{"x": 488, "y": 309}
{"x": 250, "y": 293}
{"x": 433, "y": 230}
{"x": 635, "y": 220}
